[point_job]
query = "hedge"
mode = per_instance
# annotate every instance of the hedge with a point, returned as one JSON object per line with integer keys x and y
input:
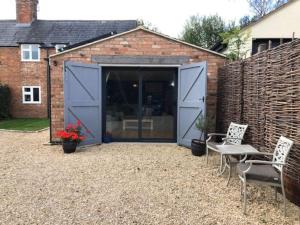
{"x": 4, "y": 101}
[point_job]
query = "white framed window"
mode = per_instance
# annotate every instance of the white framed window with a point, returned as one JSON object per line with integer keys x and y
{"x": 59, "y": 46}
{"x": 30, "y": 52}
{"x": 31, "y": 94}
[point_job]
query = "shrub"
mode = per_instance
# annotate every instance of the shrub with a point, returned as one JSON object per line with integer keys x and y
{"x": 4, "y": 101}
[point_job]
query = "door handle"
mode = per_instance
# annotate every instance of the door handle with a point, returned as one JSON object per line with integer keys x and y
{"x": 203, "y": 99}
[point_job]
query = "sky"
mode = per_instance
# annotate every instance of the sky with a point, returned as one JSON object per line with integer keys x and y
{"x": 169, "y": 16}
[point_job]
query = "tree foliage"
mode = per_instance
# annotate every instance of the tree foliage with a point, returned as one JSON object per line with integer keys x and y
{"x": 5, "y": 97}
{"x": 236, "y": 42}
{"x": 205, "y": 124}
{"x": 203, "y": 31}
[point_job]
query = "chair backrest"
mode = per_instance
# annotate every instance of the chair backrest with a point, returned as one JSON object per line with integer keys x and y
{"x": 282, "y": 150}
{"x": 236, "y": 131}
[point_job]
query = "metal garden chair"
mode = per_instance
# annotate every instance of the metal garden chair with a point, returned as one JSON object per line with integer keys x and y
{"x": 266, "y": 172}
{"x": 234, "y": 136}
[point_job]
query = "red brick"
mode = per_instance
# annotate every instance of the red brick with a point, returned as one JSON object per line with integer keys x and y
{"x": 141, "y": 43}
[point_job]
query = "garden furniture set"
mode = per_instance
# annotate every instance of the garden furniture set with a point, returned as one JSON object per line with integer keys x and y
{"x": 234, "y": 153}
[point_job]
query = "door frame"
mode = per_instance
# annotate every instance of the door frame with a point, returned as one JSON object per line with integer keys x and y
{"x": 140, "y": 67}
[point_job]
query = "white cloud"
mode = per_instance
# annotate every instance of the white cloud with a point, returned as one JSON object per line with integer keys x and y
{"x": 168, "y": 15}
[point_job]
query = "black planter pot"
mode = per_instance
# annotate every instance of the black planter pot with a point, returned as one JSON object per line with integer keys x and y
{"x": 69, "y": 146}
{"x": 198, "y": 147}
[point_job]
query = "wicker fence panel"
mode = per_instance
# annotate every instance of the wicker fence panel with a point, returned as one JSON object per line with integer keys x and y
{"x": 265, "y": 91}
{"x": 229, "y": 95}
{"x": 283, "y": 102}
{"x": 253, "y": 99}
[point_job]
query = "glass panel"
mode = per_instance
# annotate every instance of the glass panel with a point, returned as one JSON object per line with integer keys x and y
{"x": 36, "y": 94}
{"x": 35, "y": 55}
{"x": 26, "y": 55}
{"x": 27, "y": 98}
{"x": 26, "y": 47}
{"x": 35, "y": 47}
{"x": 122, "y": 91}
{"x": 159, "y": 103}
{"x": 26, "y": 89}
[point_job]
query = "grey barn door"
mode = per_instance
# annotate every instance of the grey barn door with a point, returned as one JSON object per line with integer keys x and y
{"x": 82, "y": 99}
{"x": 192, "y": 80}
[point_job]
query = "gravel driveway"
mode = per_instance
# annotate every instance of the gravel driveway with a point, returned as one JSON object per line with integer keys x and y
{"x": 121, "y": 183}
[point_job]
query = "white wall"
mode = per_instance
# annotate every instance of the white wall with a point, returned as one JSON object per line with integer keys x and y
{"x": 279, "y": 24}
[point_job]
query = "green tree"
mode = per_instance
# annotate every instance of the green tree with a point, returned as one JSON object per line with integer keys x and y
{"x": 203, "y": 31}
{"x": 236, "y": 42}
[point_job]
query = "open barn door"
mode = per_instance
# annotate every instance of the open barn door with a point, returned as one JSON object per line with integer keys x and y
{"x": 192, "y": 80}
{"x": 82, "y": 99}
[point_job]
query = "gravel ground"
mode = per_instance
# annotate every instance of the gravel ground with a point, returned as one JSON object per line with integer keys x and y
{"x": 121, "y": 183}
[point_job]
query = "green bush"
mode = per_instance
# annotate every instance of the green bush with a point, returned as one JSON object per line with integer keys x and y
{"x": 4, "y": 101}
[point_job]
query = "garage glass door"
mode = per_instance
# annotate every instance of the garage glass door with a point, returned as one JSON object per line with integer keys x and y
{"x": 140, "y": 103}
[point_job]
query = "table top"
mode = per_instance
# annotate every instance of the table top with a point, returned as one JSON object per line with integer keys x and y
{"x": 236, "y": 149}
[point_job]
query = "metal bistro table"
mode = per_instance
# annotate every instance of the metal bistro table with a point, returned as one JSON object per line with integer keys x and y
{"x": 229, "y": 150}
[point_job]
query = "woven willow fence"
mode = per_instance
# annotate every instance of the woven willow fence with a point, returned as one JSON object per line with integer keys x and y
{"x": 264, "y": 92}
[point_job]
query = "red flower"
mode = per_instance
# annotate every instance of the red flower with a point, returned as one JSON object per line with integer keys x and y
{"x": 71, "y": 133}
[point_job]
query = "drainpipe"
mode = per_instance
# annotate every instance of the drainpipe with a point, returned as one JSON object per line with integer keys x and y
{"x": 49, "y": 92}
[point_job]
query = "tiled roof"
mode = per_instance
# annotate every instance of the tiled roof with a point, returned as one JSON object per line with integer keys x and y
{"x": 49, "y": 32}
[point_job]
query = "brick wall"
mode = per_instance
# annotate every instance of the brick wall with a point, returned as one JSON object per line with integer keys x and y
{"x": 17, "y": 74}
{"x": 132, "y": 44}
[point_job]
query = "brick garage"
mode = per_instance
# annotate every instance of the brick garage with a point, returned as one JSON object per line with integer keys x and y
{"x": 137, "y": 42}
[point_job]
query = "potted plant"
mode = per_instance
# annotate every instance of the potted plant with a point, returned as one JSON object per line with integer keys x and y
{"x": 203, "y": 124}
{"x": 71, "y": 137}
{"x": 107, "y": 137}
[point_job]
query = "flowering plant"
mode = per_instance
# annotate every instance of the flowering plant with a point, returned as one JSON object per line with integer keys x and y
{"x": 71, "y": 133}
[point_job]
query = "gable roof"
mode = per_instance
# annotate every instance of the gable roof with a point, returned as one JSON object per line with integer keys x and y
{"x": 143, "y": 29}
{"x": 268, "y": 14}
{"x": 49, "y": 32}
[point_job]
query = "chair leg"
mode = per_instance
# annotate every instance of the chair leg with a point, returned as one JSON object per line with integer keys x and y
{"x": 221, "y": 164}
{"x": 241, "y": 187}
{"x": 206, "y": 154}
{"x": 222, "y": 167}
{"x": 245, "y": 195}
{"x": 229, "y": 175}
{"x": 284, "y": 199}
{"x": 229, "y": 164}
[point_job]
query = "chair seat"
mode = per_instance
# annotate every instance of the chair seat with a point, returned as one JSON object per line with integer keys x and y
{"x": 264, "y": 173}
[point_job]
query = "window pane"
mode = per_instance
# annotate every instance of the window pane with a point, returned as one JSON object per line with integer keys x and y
{"x": 35, "y": 55}
{"x": 26, "y": 55}
{"x": 122, "y": 103}
{"x": 36, "y": 95}
{"x": 26, "y": 47}
{"x": 27, "y": 98}
{"x": 35, "y": 47}
{"x": 26, "y": 89}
